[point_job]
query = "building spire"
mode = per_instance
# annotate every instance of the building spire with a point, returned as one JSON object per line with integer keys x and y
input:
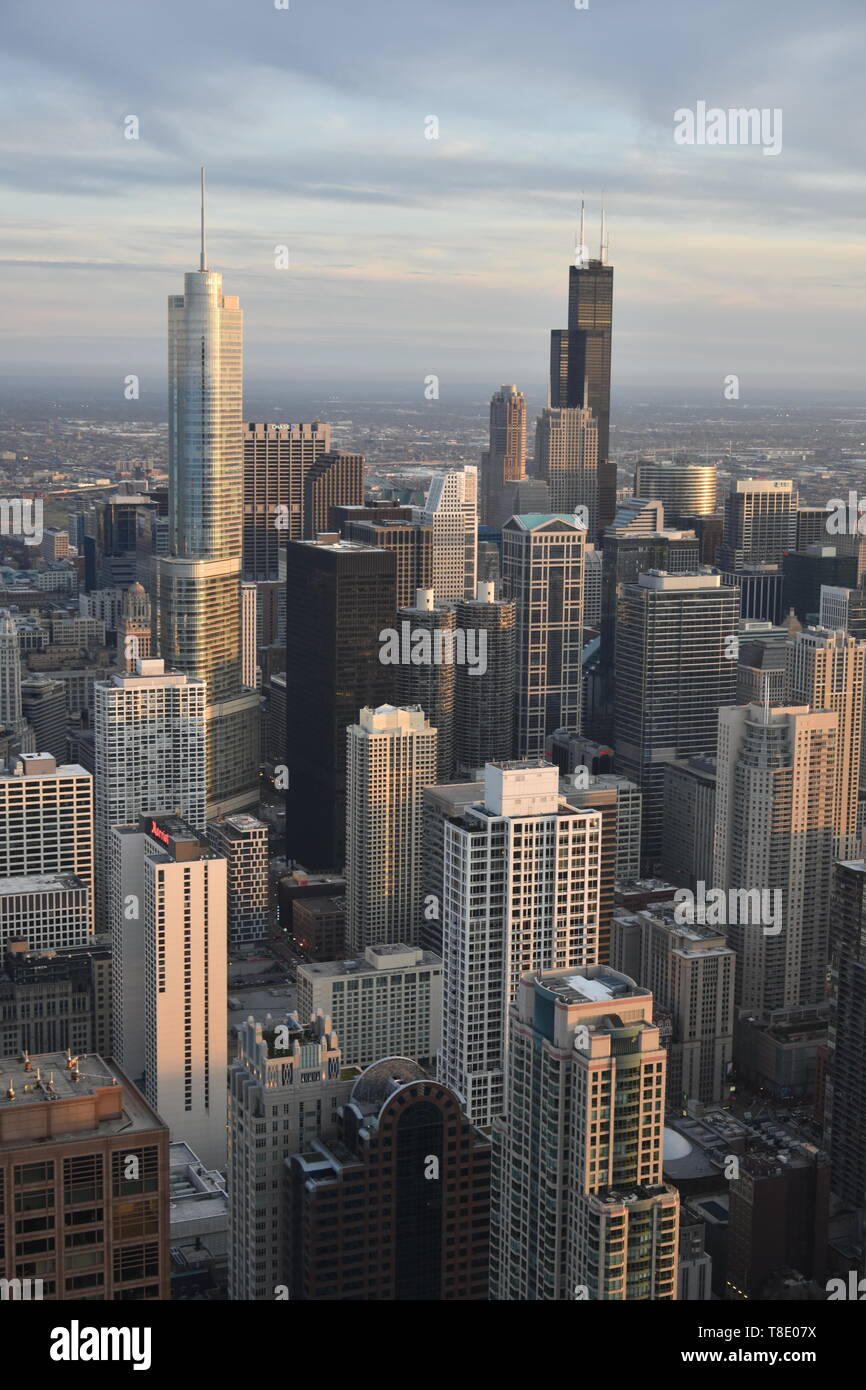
{"x": 202, "y": 258}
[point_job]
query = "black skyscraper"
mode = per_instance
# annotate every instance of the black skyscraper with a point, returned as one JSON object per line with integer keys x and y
{"x": 339, "y": 598}
{"x": 580, "y": 363}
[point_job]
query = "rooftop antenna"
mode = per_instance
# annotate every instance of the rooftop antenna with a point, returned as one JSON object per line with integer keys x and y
{"x": 581, "y": 245}
{"x": 602, "y": 250}
{"x": 203, "y": 257}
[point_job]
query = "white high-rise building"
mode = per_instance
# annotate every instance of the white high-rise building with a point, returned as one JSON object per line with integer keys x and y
{"x": 171, "y": 959}
{"x": 390, "y": 757}
{"x": 149, "y": 737}
{"x": 521, "y": 888}
{"x": 580, "y": 1209}
{"x": 825, "y": 670}
{"x": 451, "y": 511}
{"x": 46, "y": 821}
{"x": 542, "y": 565}
{"x": 774, "y": 840}
{"x": 566, "y": 457}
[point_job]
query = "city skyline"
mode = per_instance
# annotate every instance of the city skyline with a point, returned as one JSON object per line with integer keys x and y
{"x": 409, "y": 244}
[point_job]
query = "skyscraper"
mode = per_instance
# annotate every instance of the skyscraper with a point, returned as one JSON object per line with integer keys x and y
{"x": 197, "y": 587}
{"x": 776, "y": 796}
{"x": 566, "y": 458}
{"x": 845, "y": 1114}
{"x": 504, "y": 462}
{"x": 149, "y": 740}
{"x": 451, "y": 511}
{"x": 97, "y": 1184}
{"x": 277, "y": 459}
{"x": 334, "y": 480}
{"x": 171, "y": 986}
{"x": 341, "y": 596}
{"x": 43, "y": 705}
{"x": 689, "y": 970}
{"x": 286, "y": 1087}
{"x": 484, "y": 700}
{"x": 760, "y": 522}
{"x": 542, "y": 566}
{"x": 521, "y": 877}
{"x": 134, "y": 627}
{"x": 11, "y": 716}
{"x": 826, "y": 671}
{"x": 424, "y": 1172}
{"x": 674, "y": 667}
{"x": 686, "y": 489}
{"x": 580, "y": 359}
{"x": 243, "y": 842}
{"x": 391, "y": 757}
{"x": 46, "y": 820}
{"x": 580, "y": 1209}
{"x": 430, "y": 683}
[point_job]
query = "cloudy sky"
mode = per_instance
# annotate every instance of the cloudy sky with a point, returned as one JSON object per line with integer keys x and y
{"x": 409, "y": 255}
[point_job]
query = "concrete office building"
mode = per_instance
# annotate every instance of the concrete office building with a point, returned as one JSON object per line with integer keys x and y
{"x": 334, "y": 480}
{"x": 385, "y": 1003}
{"x": 580, "y": 1207}
{"x": 760, "y": 523}
{"x": 53, "y": 911}
{"x": 277, "y": 458}
{"x": 46, "y": 821}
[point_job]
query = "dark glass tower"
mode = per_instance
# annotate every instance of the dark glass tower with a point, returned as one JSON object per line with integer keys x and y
{"x": 580, "y": 362}
{"x": 339, "y": 597}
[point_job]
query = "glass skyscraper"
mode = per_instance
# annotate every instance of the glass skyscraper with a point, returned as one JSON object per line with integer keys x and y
{"x": 197, "y": 587}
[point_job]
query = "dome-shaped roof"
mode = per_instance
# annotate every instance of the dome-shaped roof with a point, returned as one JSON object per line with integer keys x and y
{"x": 381, "y": 1079}
{"x": 676, "y": 1145}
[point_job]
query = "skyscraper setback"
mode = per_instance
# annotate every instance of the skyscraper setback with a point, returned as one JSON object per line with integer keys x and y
{"x": 197, "y": 587}
{"x": 580, "y": 358}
